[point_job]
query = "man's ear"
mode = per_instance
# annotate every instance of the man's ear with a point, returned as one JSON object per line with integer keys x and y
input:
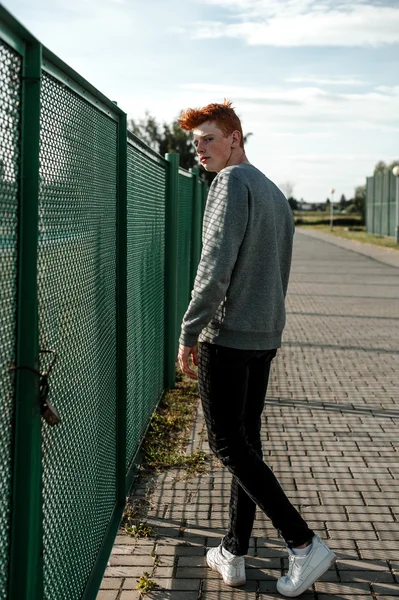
{"x": 236, "y": 139}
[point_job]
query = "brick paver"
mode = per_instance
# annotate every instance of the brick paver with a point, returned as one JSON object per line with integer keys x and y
{"x": 330, "y": 433}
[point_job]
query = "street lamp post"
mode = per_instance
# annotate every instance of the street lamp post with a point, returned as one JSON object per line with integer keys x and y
{"x": 395, "y": 171}
{"x": 332, "y": 191}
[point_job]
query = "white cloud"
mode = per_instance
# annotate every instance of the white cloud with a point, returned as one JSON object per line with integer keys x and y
{"x": 302, "y": 105}
{"x": 305, "y": 23}
{"x": 327, "y": 81}
{"x": 388, "y": 89}
{"x": 267, "y": 8}
{"x": 327, "y": 158}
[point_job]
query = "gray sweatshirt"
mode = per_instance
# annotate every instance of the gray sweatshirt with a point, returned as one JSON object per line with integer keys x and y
{"x": 242, "y": 277}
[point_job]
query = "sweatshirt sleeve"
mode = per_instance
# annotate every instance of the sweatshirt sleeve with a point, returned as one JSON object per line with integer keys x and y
{"x": 225, "y": 223}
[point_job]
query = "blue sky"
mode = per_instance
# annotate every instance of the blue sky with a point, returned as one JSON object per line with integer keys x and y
{"x": 316, "y": 82}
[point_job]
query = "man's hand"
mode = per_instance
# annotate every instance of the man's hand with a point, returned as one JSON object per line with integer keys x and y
{"x": 183, "y": 356}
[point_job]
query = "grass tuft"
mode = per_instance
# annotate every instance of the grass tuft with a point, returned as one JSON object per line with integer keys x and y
{"x": 167, "y": 437}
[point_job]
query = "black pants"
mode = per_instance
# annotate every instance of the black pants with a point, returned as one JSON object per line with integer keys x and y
{"x": 232, "y": 386}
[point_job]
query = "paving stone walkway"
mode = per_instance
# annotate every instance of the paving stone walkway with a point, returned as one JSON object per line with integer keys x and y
{"x": 330, "y": 433}
{"x": 389, "y": 256}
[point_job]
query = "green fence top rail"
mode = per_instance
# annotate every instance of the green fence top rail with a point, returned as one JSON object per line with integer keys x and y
{"x": 17, "y": 36}
{"x": 185, "y": 173}
{"x": 145, "y": 148}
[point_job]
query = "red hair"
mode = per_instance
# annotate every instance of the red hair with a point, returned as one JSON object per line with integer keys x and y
{"x": 223, "y": 115}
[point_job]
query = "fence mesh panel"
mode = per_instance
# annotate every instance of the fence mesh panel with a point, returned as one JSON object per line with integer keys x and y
{"x": 370, "y": 204}
{"x": 145, "y": 290}
{"x": 77, "y": 317}
{"x": 184, "y": 241}
{"x": 392, "y": 204}
{"x": 381, "y": 204}
{"x": 10, "y": 90}
{"x": 378, "y": 200}
{"x": 385, "y": 205}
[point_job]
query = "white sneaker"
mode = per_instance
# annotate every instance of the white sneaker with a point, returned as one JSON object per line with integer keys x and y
{"x": 305, "y": 570}
{"x": 231, "y": 569}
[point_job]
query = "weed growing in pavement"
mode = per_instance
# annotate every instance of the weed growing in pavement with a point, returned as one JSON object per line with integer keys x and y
{"x": 196, "y": 463}
{"x": 140, "y": 530}
{"x": 145, "y": 583}
{"x": 133, "y": 518}
{"x": 157, "y": 560}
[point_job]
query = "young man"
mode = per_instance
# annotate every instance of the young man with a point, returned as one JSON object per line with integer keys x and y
{"x": 237, "y": 314}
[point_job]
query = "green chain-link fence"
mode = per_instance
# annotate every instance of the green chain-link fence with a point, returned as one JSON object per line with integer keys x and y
{"x": 146, "y": 177}
{"x": 99, "y": 242}
{"x": 10, "y": 84}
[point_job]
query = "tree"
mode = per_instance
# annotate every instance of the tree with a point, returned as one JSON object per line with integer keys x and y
{"x": 165, "y": 138}
{"x": 287, "y": 188}
{"x": 359, "y": 200}
{"x": 343, "y": 202}
{"x": 178, "y": 140}
{"x": 147, "y": 130}
{"x": 382, "y": 167}
{"x": 293, "y": 203}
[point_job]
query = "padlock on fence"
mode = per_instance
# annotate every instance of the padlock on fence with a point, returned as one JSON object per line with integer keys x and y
{"x": 47, "y": 410}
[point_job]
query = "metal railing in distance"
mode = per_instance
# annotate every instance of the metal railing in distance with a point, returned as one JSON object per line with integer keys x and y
{"x": 381, "y": 204}
{"x": 99, "y": 241}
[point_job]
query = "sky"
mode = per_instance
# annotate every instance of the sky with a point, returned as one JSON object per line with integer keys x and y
{"x": 315, "y": 81}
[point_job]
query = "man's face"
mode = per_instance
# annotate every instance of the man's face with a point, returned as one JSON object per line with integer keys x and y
{"x": 213, "y": 148}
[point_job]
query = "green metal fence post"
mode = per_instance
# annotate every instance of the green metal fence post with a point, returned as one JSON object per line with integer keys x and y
{"x": 388, "y": 201}
{"x": 196, "y": 227}
{"x": 26, "y": 556}
{"x": 373, "y": 218}
{"x": 171, "y": 216}
{"x": 121, "y": 291}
